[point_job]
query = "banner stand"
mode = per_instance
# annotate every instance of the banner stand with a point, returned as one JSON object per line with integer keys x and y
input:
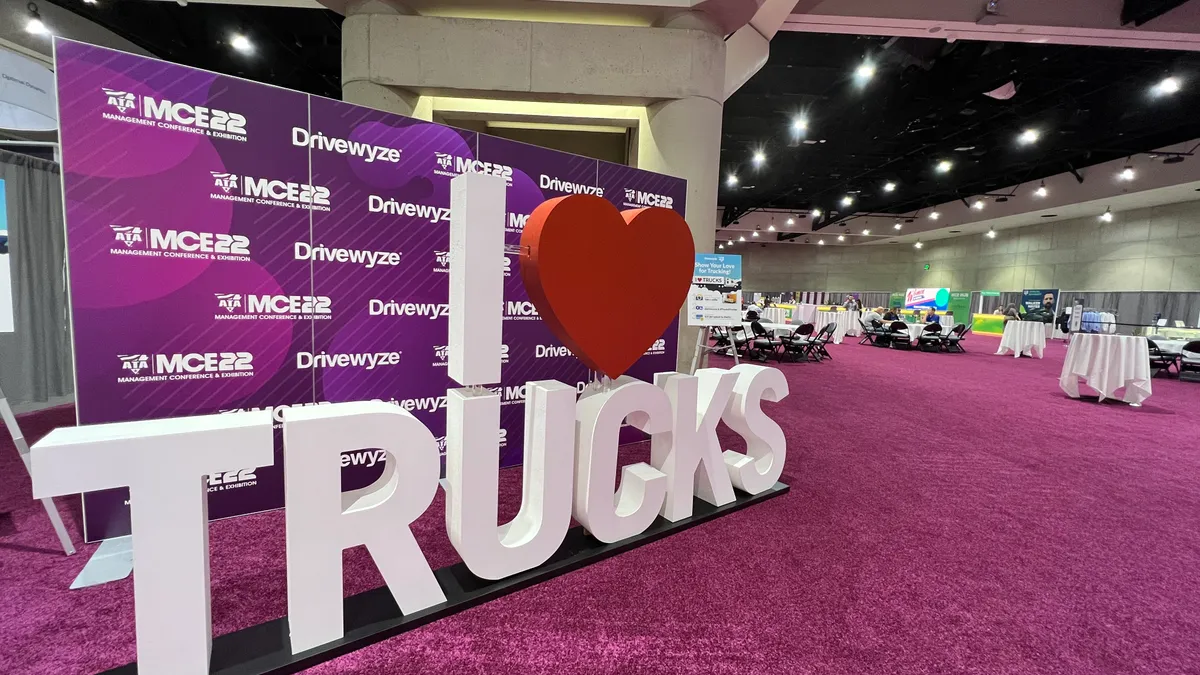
{"x": 14, "y": 430}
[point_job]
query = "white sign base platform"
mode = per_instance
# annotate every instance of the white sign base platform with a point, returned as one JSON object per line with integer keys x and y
{"x": 373, "y": 616}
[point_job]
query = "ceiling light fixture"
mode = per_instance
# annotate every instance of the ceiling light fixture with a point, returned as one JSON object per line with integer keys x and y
{"x": 978, "y": 205}
{"x": 889, "y": 187}
{"x": 864, "y": 72}
{"x": 770, "y": 228}
{"x": 944, "y": 166}
{"x": 1126, "y": 173}
{"x": 799, "y": 124}
{"x": 241, "y": 43}
{"x": 991, "y": 234}
{"x": 897, "y": 226}
{"x": 731, "y": 180}
{"x": 816, "y": 213}
{"x": 1107, "y": 216}
{"x": 918, "y": 244}
{"x": 721, "y": 247}
{"x": 866, "y": 232}
{"x": 1041, "y": 191}
{"x": 1166, "y": 87}
{"x": 934, "y": 215}
{"x": 1029, "y": 137}
{"x": 741, "y": 239}
{"x": 847, "y": 200}
{"x": 791, "y": 221}
{"x": 34, "y": 24}
{"x": 841, "y": 237}
{"x": 759, "y": 158}
{"x": 754, "y": 233}
{"x": 820, "y": 242}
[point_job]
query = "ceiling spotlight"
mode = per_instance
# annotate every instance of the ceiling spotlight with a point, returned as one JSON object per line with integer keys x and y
{"x": 89, "y": 2}
{"x": 816, "y": 213}
{"x": 864, "y": 72}
{"x": 759, "y": 158}
{"x": 721, "y": 247}
{"x": 241, "y": 43}
{"x": 741, "y": 239}
{"x": 934, "y": 215}
{"x": 918, "y": 244}
{"x": 1126, "y": 173}
{"x": 34, "y": 24}
{"x": 791, "y": 221}
{"x": 754, "y": 233}
{"x": 1107, "y": 216}
{"x": 897, "y": 226}
{"x": 847, "y": 200}
{"x": 731, "y": 180}
{"x": 799, "y": 124}
{"x": 1029, "y": 137}
{"x": 841, "y": 237}
{"x": 889, "y": 187}
{"x": 991, "y": 234}
{"x": 944, "y": 166}
{"x": 770, "y": 228}
{"x": 820, "y": 242}
{"x": 1168, "y": 85}
{"x": 978, "y": 205}
{"x": 866, "y": 232}
{"x": 1041, "y": 191}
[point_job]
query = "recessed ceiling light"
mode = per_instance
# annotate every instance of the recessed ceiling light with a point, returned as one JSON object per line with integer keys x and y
{"x": 934, "y": 215}
{"x": 820, "y": 242}
{"x": 1041, "y": 191}
{"x": 731, "y": 180}
{"x": 944, "y": 166}
{"x": 1029, "y": 137}
{"x": 241, "y": 43}
{"x": 1107, "y": 216}
{"x": 841, "y": 237}
{"x": 864, "y": 72}
{"x": 1168, "y": 85}
{"x": 791, "y": 221}
{"x": 799, "y": 124}
{"x": 759, "y": 157}
{"x": 741, "y": 239}
{"x": 816, "y": 213}
{"x": 770, "y": 228}
{"x": 991, "y": 234}
{"x": 918, "y": 244}
{"x": 978, "y": 205}
{"x": 754, "y": 233}
{"x": 889, "y": 187}
{"x": 866, "y": 232}
{"x": 1126, "y": 173}
{"x": 897, "y": 226}
{"x": 847, "y": 200}
{"x": 721, "y": 247}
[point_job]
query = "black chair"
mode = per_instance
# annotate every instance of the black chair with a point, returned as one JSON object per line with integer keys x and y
{"x": 763, "y": 344}
{"x": 741, "y": 341}
{"x": 868, "y": 333}
{"x": 898, "y": 336}
{"x": 883, "y": 337}
{"x": 952, "y": 342}
{"x": 798, "y": 346}
{"x": 1189, "y": 362}
{"x": 1160, "y": 360}
{"x": 824, "y": 339}
{"x": 930, "y": 338}
{"x": 722, "y": 340}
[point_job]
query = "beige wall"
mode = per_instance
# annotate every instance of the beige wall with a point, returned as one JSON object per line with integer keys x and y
{"x": 1154, "y": 249}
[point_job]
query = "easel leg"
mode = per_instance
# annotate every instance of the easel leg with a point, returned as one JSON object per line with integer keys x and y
{"x": 14, "y": 430}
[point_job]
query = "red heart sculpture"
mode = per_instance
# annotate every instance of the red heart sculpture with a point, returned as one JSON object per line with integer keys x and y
{"x": 607, "y": 282}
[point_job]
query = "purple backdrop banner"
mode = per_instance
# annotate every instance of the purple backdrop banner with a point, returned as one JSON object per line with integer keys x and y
{"x": 235, "y": 246}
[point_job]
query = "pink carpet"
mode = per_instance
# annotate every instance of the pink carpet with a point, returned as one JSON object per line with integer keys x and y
{"x": 948, "y": 514}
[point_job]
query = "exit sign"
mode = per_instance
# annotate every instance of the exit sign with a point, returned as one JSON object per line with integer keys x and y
{"x": 926, "y": 265}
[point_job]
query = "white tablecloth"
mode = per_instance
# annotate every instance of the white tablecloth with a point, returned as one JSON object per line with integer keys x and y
{"x": 1023, "y": 337}
{"x": 847, "y": 324}
{"x": 775, "y": 329}
{"x": 916, "y": 329}
{"x": 804, "y": 313}
{"x": 774, "y": 315}
{"x": 1107, "y": 363}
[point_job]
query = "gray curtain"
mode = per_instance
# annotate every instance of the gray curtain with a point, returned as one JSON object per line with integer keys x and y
{"x": 35, "y": 360}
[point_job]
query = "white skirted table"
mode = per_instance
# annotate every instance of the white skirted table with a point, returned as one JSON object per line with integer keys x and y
{"x": 804, "y": 313}
{"x": 1108, "y": 363}
{"x": 774, "y": 315}
{"x": 915, "y": 330}
{"x": 1023, "y": 337}
{"x": 847, "y": 324}
{"x": 775, "y": 329}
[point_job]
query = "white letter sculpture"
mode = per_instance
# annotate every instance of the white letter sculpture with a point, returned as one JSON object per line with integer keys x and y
{"x": 766, "y": 447}
{"x": 606, "y": 516}
{"x": 691, "y": 456}
{"x": 164, "y": 463}
{"x": 473, "y": 472}
{"x": 322, "y": 521}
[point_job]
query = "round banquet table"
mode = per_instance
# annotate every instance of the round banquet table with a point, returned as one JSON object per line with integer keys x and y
{"x": 774, "y": 315}
{"x": 916, "y": 329}
{"x": 1108, "y": 363}
{"x": 804, "y": 313}
{"x": 1023, "y": 337}
{"x": 775, "y": 329}
{"x": 847, "y": 324}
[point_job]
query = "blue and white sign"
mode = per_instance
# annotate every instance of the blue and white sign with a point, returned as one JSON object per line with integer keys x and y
{"x": 716, "y": 295}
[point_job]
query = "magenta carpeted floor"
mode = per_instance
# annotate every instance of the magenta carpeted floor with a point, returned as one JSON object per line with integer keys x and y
{"x": 948, "y": 514}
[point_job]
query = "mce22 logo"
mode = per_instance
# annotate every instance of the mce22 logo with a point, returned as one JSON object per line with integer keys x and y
{"x": 155, "y": 243}
{"x": 269, "y": 191}
{"x": 453, "y": 165}
{"x": 639, "y": 198}
{"x": 193, "y": 366}
{"x": 239, "y": 306}
{"x": 176, "y": 116}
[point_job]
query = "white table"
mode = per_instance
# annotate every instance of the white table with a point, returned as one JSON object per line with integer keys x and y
{"x": 774, "y": 315}
{"x": 847, "y": 324}
{"x": 915, "y": 330}
{"x": 1108, "y": 363}
{"x": 804, "y": 313}
{"x": 1023, "y": 337}
{"x": 775, "y": 329}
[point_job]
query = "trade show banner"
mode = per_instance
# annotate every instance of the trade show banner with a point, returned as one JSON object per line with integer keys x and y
{"x": 715, "y": 298}
{"x": 960, "y": 306}
{"x": 924, "y": 298}
{"x": 1035, "y": 298}
{"x": 233, "y": 246}
{"x": 896, "y": 300}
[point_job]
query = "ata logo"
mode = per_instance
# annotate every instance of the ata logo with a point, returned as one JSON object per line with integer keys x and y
{"x": 127, "y": 234}
{"x": 440, "y": 354}
{"x": 121, "y": 100}
{"x": 230, "y": 302}
{"x": 444, "y": 159}
{"x": 441, "y": 262}
{"x": 225, "y": 181}
{"x": 134, "y": 363}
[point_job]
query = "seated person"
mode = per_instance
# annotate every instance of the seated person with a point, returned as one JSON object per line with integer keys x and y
{"x": 891, "y": 314}
{"x": 932, "y": 316}
{"x": 1000, "y": 310}
{"x": 871, "y": 315}
{"x": 1011, "y": 313}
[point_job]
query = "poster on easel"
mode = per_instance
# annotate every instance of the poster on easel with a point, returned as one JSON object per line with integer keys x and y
{"x": 715, "y": 298}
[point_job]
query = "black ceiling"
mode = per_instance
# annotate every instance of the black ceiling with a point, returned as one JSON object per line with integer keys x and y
{"x": 925, "y": 103}
{"x": 295, "y": 48}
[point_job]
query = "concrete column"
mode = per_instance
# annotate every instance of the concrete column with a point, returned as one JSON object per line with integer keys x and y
{"x": 684, "y": 140}
{"x": 380, "y": 97}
